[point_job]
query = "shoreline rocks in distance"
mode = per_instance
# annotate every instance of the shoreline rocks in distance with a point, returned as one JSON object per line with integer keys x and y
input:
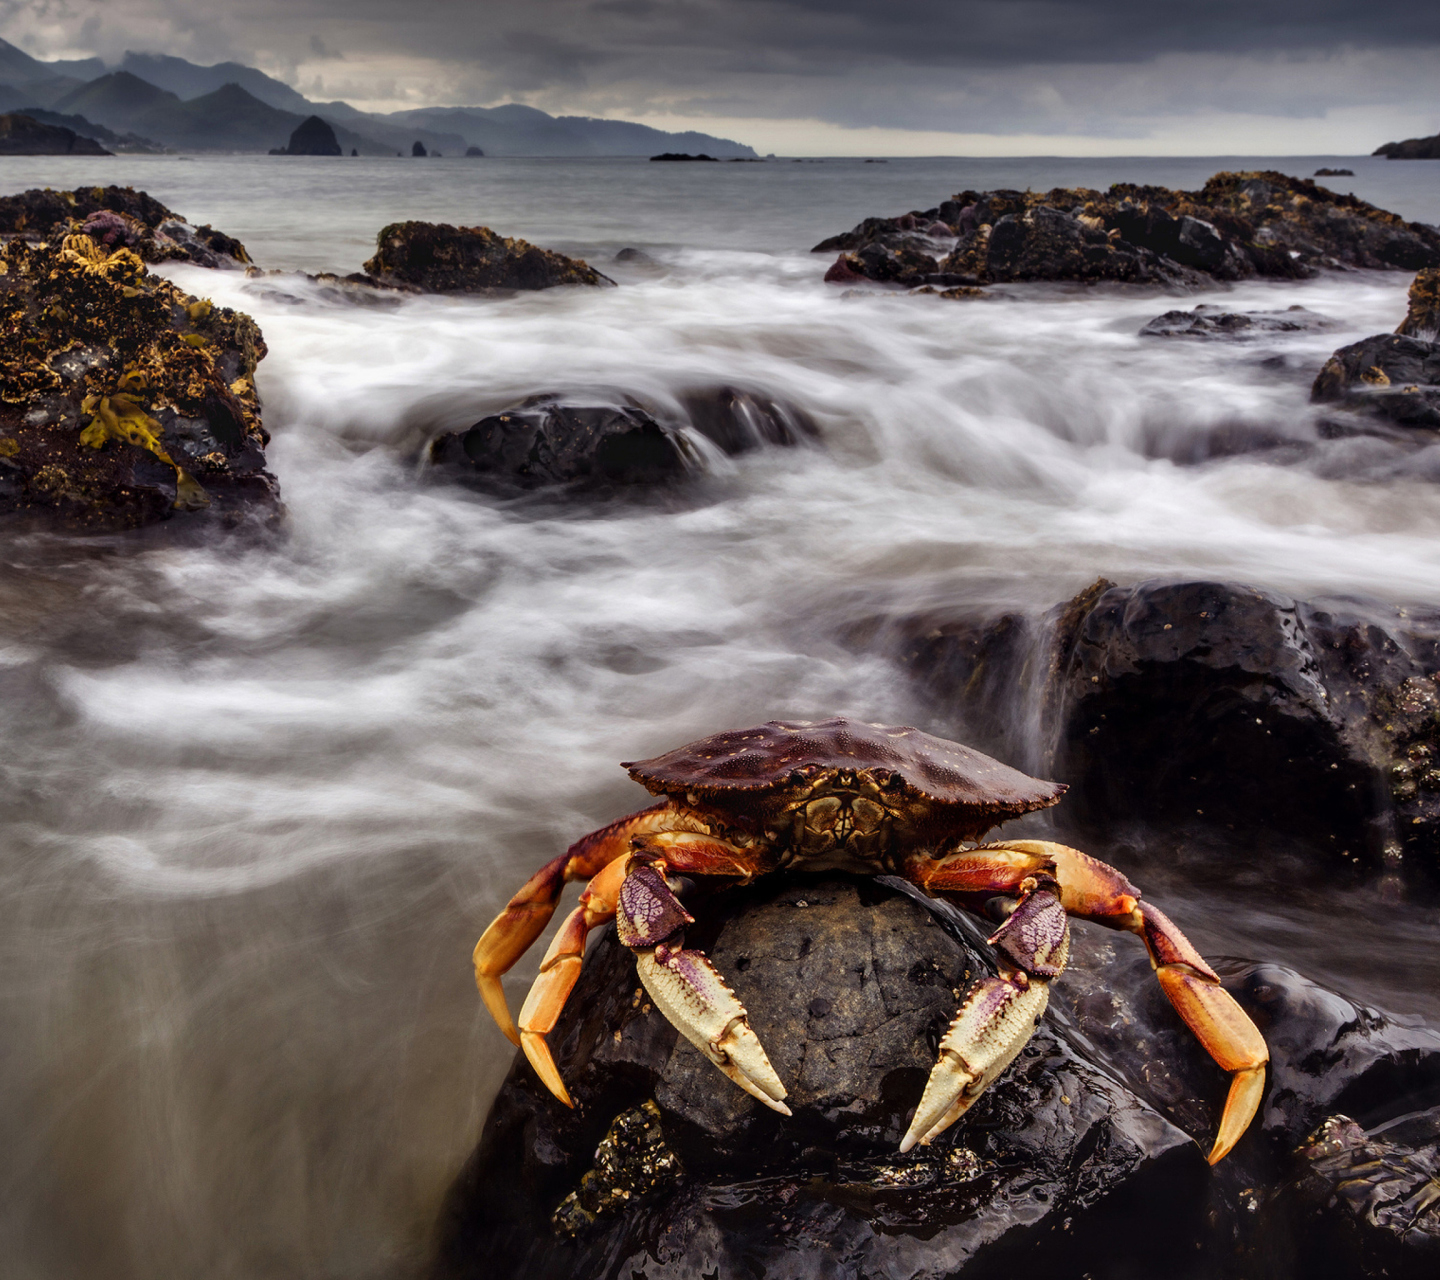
{"x": 125, "y": 400}
{"x": 439, "y": 258}
{"x": 312, "y": 137}
{"x": 1334, "y": 173}
{"x": 23, "y": 135}
{"x": 682, "y": 155}
{"x": 1411, "y": 149}
{"x": 119, "y": 217}
{"x": 1238, "y": 226}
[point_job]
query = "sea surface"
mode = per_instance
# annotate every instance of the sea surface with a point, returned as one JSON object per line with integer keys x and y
{"x": 258, "y": 800}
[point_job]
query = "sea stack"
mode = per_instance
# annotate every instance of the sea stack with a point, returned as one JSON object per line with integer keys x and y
{"x": 313, "y": 137}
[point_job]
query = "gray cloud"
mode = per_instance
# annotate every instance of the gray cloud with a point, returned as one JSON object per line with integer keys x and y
{"x": 1079, "y": 67}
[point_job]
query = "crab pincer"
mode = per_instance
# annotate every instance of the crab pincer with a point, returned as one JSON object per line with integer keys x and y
{"x": 688, "y": 989}
{"x": 999, "y": 1014}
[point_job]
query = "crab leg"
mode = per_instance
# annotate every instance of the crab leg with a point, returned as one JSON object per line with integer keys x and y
{"x": 528, "y": 912}
{"x": 999, "y": 1014}
{"x": 1095, "y": 891}
{"x": 686, "y": 987}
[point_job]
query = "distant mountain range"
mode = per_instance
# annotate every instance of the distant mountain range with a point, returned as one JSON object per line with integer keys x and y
{"x": 149, "y": 101}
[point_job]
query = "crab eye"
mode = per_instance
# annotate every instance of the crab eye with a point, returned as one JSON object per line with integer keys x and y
{"x": 796, "y": 777}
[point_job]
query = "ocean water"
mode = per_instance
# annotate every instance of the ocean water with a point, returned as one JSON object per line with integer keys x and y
{"x": 259, "y": 800}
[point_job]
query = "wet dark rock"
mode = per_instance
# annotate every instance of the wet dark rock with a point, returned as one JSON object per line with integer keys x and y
{"x": 312, "y": 137}
{"x": 634, "y": 255}
{"x": 1057, "y": 1170}
{"x": 1389, "y": 375}
{"x": 1313, "y": 718}
{"x": 440, "y": 258}
{"x": 1214, "y": 322}
{"x": 118, "y": 217}
{"x": 1411, "y": 149}
{"x": 122, "y": 399}
{"x": 545, "y": 440}
{"x": 1205, "y": 705}
{"x": 1422, "y": 319}
{"x": 1238, "y": 226}
{"x": 740, "y": 421}
{"x": 22, "y": 135}
{"x": 1369, "y": 1202}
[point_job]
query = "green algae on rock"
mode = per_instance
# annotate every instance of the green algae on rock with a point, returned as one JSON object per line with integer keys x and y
{"x": 122, "y": 398}
{"x": 439, "y": 258}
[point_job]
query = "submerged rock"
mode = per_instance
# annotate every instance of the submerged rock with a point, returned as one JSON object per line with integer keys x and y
{"x": 739, "y": 421}
{"x": 22, "y": 135}
{"x": 1238, "y": 226}
{"x": 546, "y": 441}
{"x": 440, "y": 258}
{"x": 122, "y": 399}
{"x": 118, "y": 217}
{"x": 848, "y": 984}
{"x": 1213, "y": 322}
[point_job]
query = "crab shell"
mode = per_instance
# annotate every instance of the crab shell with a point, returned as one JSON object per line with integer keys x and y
{"x": 837, "y": 772}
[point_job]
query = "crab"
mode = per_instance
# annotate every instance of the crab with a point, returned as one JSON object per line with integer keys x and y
{"x": 843, "y": 796}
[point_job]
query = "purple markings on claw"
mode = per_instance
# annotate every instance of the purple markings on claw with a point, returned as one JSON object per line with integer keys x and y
{"x": 694, "y": 969}
{"x": 1035, "y": 936}
{"x": 648, "y": 912}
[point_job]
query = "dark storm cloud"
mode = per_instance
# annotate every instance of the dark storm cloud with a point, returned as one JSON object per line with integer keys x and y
{"x": 1006, "y": 66}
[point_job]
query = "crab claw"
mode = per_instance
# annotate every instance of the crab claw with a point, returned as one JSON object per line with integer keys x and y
{"x": 993, "y": 1024}
{"x": 690, "y": 992}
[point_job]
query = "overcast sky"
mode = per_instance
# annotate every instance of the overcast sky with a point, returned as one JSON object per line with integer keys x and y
{"x": 997, "y": 77}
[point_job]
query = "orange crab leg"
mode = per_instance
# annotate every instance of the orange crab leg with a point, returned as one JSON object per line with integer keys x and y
{"x": 559, "y": 971}
{"x": 525, "y": 916}
{"x": 1096, "y": 891}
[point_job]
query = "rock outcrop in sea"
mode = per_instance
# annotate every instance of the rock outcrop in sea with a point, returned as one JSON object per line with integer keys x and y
{"x": 118, "y": 217}
{"x": 123, "y": 400}
{"x": 22, "y": 135}
{"x": 1238, "y": 226}
{"x": 312, "y": 137}
{"x": 439, "y": 258}
{"x": 1411, "y": 149}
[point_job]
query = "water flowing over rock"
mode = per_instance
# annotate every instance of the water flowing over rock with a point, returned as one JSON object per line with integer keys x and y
{"x": 1214, "y": 322}
{"x": 440, "y": 258}
{"x": 124, "y": 399}
{"x": 1213, "y": 704}
{"x": 1390, "y": 376}
{"x": 1239, "y": 225}
{"x": 22, "y": 135}
{"x": 118, "y": 217}
{"x": 1422, "y": 319}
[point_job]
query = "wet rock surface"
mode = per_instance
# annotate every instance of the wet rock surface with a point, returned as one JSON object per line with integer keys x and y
{"x": 1211, "y": 704}
{"x": 1238, "y": 226}
{"x": 739, "y": 421}
{"x": 849, "y": 985}
{"x": 439, "y": 258}
{"x": 1422, "y": 317}
{"x": 1215, "y": 322}
{"x": 1391, "y": 376}
{"x": 123, "y": 400}
{"x": 546, "y": 441}
{"x": 118, "y": 217}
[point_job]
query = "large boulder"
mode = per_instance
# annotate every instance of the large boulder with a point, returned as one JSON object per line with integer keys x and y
{"x": 1208, "y": 705}
{"x": 546, "y": 440}
{"x": 118, "y": 217}
{"x": 1422, "y": 318}
{"x": 1237, "y": 226}
{"x": 1390, "y": 375}
{"x": 122, "y": 399}
{"x": 440, "y": 258}
{"x": 22, "y": 135}
{"x": 848, "y": 984}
